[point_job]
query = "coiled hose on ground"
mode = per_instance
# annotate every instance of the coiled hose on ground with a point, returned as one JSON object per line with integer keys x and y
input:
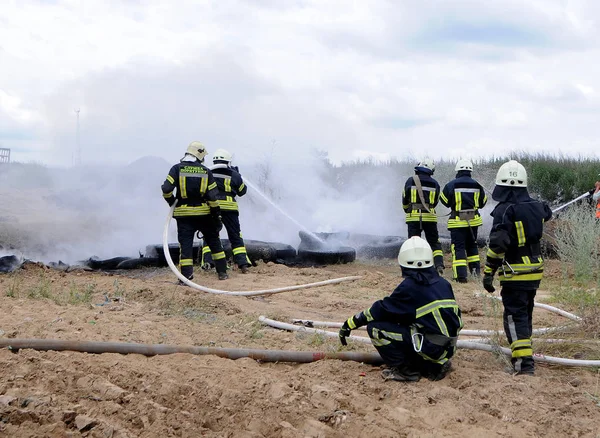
{"x": 237, "y": 293}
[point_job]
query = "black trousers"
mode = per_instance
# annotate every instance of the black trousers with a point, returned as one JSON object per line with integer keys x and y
{"x": 464, "y": 252}
{"x": 518, "y": 324}
{"x": 186, "y": 228}
{"x": 231, "y": 222}
{"x": 431, "y": 235}
{"x": 394, "y": 344}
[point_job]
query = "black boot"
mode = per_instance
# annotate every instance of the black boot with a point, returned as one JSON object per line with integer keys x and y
{"x": 400, "y": 374}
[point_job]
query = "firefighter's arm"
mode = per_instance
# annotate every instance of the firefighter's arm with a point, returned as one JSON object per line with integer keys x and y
{"x": 482, "y": 197}
{"x": 445, "y": 196}
{"x": 241, "y": 187}
{"x": 406, "y": 192}
{"x": 169, "y": 186}
{"x": 211, "y": 199}
{"x": 436, "y": 199}
{"x": 354, "y": 322}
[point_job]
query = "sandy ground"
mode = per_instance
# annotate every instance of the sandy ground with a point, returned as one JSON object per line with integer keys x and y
{"x": 69, "y": 394}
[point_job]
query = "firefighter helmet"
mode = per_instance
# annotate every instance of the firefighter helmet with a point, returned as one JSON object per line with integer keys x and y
{"x": 221, "y": 155}
{"x": 415, "y": 253}
{"x": 197, "y": 149}
{"x": 427, "y": 163}
{"x": 464, "y": 165}
{"x": 512, "y": 174}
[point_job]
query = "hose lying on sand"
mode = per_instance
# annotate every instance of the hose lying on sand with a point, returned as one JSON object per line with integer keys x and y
{"x": 162, "y": 349}
{"x": 464, "y": 332}
{"x": 540, "y": 305}
{"x": 460, "y": 344}
{"x": 237, "y": 293}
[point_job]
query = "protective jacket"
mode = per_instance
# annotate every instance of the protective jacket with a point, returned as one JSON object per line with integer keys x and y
{"x": 230, "y": 185}
{"x": 197, "y": 190}
{"x": 425, "y": 302}
{"x": 464, "y": 196}
{"x": 411, "y": 201}
{"x": 515, "y": 238}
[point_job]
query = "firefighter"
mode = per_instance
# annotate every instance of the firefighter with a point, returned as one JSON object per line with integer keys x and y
{"x": 197, "y": 208}
{"x": 415, "y": 329}
{"x": 514, "y": 252}
{"x": 419, "y": 198}
{"x": 230, "y": 184}
{"x": 595, "y": 192}
{"x": 464, "y": 197}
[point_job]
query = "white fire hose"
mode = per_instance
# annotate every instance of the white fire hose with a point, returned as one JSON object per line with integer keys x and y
{"x": 469, "y": 345}
{"x": 332, "y": 324}
{"x": 237, "y": 293}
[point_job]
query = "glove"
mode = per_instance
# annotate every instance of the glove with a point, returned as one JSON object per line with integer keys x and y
{"x": 591, "y": 192}
{"x": 488, "y": 283}
{"x": 344, "y": 333}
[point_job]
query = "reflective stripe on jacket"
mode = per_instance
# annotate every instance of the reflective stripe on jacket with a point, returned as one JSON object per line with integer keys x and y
{"x": 411, "y": 198}
{"x": 196, "y": 189}
{"x": 230, "y": 184}
{"x": 463, "y": 193}
{"x": 514, "y": 246}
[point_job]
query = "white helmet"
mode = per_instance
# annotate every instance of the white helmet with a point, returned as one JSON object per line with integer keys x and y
{"x": 464, "y": 165}
{"x": 415, "y": 253}
{"x": 197, "y": 149}
{"x": 222, "y": 155}
{"x": 427, "y": 164}
{"x": 512, "y": 174}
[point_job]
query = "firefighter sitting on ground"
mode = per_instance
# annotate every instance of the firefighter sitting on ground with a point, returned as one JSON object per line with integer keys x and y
{"x": 415, "y": 329}
{"x": 514, "y": 251}
{"x": 419, "y": 198}
{"x": 197, "y": 208}
{"x": 464, "y": 196}
{"x": 230, "y": 184}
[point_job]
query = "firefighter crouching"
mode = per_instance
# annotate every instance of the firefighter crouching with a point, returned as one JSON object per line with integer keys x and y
{"x": 464, "y": 196}
{"x": 197, "y": 208}
{"x": 419, "y": 198}
{"x": 415, "y": 329}
{"x": 514, "y": 252}
{"x": 230, "y": 184}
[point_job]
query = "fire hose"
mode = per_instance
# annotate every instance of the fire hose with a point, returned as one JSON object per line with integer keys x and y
{"x": 237, "y": 293}
{"x": 469, "y": 345}
{"x": 162, "y": 349}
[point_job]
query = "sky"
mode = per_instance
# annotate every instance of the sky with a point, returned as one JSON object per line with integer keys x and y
{"x": 356, "y": 79}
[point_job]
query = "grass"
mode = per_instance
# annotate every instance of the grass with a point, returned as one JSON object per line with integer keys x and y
{"x": 78, "y": 295}
{"x": 40, "y": 290}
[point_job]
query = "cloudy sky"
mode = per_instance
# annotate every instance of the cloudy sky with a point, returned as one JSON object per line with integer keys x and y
{"x": 354, "y": 78}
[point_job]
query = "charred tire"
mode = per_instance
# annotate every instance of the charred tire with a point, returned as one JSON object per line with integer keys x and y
{"x": 139, "y": 263}
{"x": 156, "y": 251}
{"x": 9, "y": 263}
{"x": 106, "y": 265}
{"x": 387, "y": 248}
{"x": 341, "y": 255}
{"x": 284, "y": 253}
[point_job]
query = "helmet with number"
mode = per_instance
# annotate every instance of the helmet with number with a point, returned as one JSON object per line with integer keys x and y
{"x": 415, "y": 253}
{"x": 197, "y": 149}
{"x": 464, "y": 165}
{"x": 512, "y": 174}
{"x": 426, "y": 164}
{"x": 222, "y": 156}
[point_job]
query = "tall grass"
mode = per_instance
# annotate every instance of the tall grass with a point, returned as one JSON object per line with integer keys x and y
{"x": 577, "y": 240}
{"x": 554, "y": 178}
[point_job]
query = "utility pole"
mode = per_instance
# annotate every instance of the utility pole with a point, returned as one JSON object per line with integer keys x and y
{"x": 78, "y": 144}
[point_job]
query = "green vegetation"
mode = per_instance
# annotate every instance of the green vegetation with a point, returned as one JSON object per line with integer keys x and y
{"x": 554, "y": 178}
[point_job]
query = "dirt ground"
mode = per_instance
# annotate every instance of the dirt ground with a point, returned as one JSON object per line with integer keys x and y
{"x": 70, "y": 394}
